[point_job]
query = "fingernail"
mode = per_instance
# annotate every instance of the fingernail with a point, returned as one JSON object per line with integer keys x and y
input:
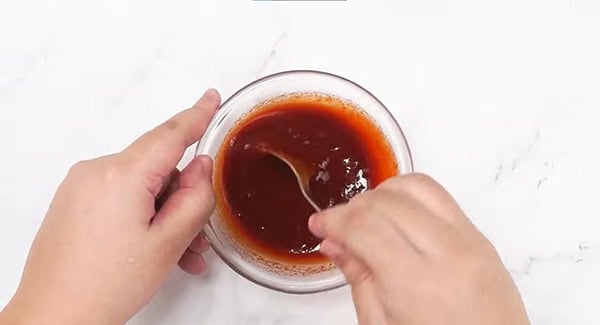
{"x": 210, "y": 99}
{"x": 314, "y": 225}
{"x": 205, "y": 246}
{"x": 210, "y": 92}
{"x": 206, "y": 163}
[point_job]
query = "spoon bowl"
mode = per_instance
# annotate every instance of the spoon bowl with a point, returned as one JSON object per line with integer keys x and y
{"x": 302, "y": 171}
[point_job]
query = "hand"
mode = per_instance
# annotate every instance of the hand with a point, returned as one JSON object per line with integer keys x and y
{"x": 412, "y": 257}
{"x": 103, "y": 249}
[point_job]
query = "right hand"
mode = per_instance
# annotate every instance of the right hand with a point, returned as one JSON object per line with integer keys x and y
{"x": 412, "y": 257}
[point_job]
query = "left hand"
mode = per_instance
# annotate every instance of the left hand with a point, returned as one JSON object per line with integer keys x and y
{"x": 106, "y": 245}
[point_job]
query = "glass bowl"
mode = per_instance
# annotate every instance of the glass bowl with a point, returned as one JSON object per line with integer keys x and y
{"x": 302, "y": 280}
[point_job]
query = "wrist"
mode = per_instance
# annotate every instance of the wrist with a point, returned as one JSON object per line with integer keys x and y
{"x": 32, "y": 310}
{"x": 19, "y": 312}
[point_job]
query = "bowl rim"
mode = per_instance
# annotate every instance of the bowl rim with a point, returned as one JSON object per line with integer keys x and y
{"x": 298, "y": 290}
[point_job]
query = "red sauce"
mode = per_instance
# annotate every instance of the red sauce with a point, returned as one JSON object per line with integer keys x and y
{"x": 258, "y": 195}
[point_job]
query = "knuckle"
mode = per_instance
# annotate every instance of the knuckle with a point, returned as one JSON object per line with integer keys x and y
{"x": 112, "y": 172}
{"x": 204, "y": 199}
{"x": 418, "y": 179}
{"x": 409, "y": 184}
{"x": 112, "y": 168}
{"x": 389, "y": 191}
{"x": 357, "y": 216}
{"x": 403, "y": 182}
{"x": 391, "y": 183}
{"x": 171, "y": 134}
{"x": 107, "y": 169}
{"x": 79, "y": 166}
{"x": 171, "y": 124}
{"x": 486, "y": 251}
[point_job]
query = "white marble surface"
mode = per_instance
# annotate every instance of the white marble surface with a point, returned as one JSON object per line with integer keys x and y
{"x": 499, "y": 100}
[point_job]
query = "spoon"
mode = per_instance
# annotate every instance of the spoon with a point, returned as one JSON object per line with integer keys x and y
{"x": 301, "y": 170}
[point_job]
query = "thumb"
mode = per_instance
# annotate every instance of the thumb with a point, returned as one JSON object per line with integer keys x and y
{"x": 187, "y": 209}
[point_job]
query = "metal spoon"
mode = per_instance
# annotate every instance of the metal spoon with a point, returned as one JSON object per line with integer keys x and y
{"x": 301, "y": 170}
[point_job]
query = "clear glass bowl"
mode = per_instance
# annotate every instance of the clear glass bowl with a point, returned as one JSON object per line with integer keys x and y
{"x": 244, "y": 101}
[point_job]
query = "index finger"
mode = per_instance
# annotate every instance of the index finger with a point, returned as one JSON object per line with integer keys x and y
{"x": 160, "y": 149}
{"x": 364, "y": 232}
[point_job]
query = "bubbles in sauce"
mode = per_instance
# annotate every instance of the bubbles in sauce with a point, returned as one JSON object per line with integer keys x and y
{"x": 258, "y": 195}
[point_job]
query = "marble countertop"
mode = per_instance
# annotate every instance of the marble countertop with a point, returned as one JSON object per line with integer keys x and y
{"x": 499, "y": 101}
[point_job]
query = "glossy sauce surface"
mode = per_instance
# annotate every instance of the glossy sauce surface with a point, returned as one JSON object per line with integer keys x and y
{"x": 258, "y": 195}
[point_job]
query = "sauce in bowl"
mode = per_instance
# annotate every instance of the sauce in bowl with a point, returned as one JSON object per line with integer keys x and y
{"x": 258, "y": 196}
